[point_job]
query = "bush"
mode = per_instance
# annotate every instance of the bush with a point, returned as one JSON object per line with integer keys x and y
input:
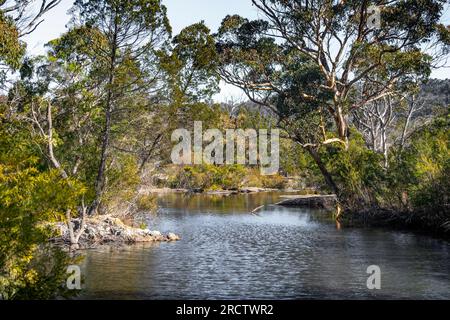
{"x": 417, "y": 179}
{"x": 147, "y": 202}
{"x": 358, "y": 172}
{"x": 273, "y": 182}
{"x": 423, "y": 169}
{"x": 31, "y": 197}
{"x": 208, "y": 177}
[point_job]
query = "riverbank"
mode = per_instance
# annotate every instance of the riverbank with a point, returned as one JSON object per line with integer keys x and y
{"x": 242, "y": 190}
{"x": 436, "y": 223}
{"x": 101, "y": 230}
{"x": 327, "y": 202}
{"x": 432, "y": 223}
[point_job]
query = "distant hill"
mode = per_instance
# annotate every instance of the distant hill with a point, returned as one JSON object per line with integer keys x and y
{"x": 436, "y": 95}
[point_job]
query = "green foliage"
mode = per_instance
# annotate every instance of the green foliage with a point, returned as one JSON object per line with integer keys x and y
{"x": 358, "y": 172}
{"x": 123, "y": 181}
{"x": 147, "y": 203}
{"x": 423, "y": 168}
{"x": 149, "y": 14}
{"x": 11, "y": 48}
{"x": 209, "y": 177}
{"x": 30, "y": 198}
{"x": 416, "y": 178}
{"x": 193, "y": 62}
{"x": 273, "y": 182}
{"x": 226, "y": 177}
{"x": 39, "y": 276}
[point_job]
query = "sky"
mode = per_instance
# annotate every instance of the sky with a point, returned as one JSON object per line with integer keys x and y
{"x": 181, "y": 13}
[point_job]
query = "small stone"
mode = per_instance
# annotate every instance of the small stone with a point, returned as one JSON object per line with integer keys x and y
{"x": 154, "y": 233}
{"x": 173, "y": 237}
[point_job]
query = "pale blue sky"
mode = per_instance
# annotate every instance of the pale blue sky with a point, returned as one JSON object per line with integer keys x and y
{"x": 181, "y": 13}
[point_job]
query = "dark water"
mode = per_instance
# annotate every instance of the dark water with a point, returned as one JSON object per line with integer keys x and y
{"x": 227, "y": 253}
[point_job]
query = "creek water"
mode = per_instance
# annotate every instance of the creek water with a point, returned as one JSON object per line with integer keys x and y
{"x": 281, "y": 253}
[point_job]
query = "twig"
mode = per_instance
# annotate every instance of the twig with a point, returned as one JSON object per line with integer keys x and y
{"x": 256, "y": 210}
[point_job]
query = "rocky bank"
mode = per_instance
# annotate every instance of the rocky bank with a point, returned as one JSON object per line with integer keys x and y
{"x": 106, "y": 229}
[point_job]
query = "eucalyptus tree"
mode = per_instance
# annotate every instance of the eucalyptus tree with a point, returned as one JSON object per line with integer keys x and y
{"x": 313, "y": 62}
{"x": 18, "y": 18}
{"x": 27, "y": 14}
{"x": 190, "y": 74}
{"x": 192, "y": 64}
{"x": 376, "y": 121}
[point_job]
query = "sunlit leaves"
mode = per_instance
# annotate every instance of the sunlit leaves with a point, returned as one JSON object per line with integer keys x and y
{"x": 31, "y": 196}
{"x": 11, "y": 48}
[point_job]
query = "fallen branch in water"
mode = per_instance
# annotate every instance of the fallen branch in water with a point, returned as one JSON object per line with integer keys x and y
{"x": 256, "y": 210}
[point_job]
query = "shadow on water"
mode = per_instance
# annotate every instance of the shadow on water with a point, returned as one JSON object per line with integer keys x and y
{"x": 283, "y": 253}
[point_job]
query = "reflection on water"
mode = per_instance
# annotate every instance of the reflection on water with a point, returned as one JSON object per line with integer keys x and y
{"x": 284, "y": 253}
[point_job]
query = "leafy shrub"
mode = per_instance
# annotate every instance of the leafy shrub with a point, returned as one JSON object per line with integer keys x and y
{"x": 208, "y": 177}
{"x": 31, "y": 197}
{"x": 273, "y": 182}
{"x": 147, "y": 202}
{"x": 358, "y": 172}
{"x": 423, "y": 170}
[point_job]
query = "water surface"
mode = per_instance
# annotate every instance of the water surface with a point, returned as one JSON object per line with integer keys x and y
{"x": 283, "y": 253}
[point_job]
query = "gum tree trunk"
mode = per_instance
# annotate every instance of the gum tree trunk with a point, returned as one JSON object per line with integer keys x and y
{"x": 326, "y": 174}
